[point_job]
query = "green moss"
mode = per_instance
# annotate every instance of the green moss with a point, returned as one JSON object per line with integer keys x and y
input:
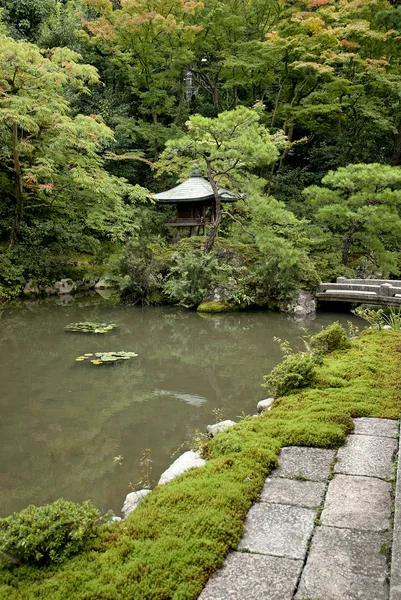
{"x": 216, "y": 307}
{"x": 181, "y": 533}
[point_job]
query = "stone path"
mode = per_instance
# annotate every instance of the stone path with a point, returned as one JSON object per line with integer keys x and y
{"x": 322, "y": 529}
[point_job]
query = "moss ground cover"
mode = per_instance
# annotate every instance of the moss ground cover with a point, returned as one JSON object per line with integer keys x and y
{"x": 181, "y": 533}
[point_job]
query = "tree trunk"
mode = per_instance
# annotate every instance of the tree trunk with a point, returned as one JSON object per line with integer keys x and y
{"x": 217, "y": 202}
{"x": 395, "y": 158}
{"x": 347, "y": 241}
{"x": 18, "y": 187}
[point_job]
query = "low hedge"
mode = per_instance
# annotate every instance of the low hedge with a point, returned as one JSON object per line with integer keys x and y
{"x": 170, "y": 545}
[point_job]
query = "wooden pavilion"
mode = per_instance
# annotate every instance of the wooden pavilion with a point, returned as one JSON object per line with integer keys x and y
{"x": 195, "y": 202}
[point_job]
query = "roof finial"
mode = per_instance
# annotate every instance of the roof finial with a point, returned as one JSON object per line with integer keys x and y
{"x": 195, "y": 170}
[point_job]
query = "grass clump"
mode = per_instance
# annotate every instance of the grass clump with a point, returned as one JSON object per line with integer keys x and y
{"x": 181, "y": 533}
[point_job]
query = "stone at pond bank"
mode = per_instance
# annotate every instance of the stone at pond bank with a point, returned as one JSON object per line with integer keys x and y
{"x": 132, "y": 500}
{"x": 65, "y": 286}
{"x": 219, "y": 427}
{"x": 303, "y": 305}
{"x": 186, "y": 461}
{"x": 103, "y": 284}
{"x": 265, "y": 405}
{"x": 216, "y": 300}
{"x": 31, "y": 288}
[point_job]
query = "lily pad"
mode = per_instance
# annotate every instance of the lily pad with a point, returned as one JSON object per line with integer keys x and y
{"x": 102, "y": 358}
{"x": 89, "y": 327}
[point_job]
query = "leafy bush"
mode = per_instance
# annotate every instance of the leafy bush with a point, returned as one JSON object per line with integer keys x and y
{"x": 141, "y": 271}
{"x": 51, "y": 533}
{"x": 296, "y": 371}
{"x": 333, "y": 337}
{"x": 191, "y": 276}
{"x": 379, "y": 318}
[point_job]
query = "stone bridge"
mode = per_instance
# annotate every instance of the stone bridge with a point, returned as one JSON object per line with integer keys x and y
{"x": 361, "y": 291}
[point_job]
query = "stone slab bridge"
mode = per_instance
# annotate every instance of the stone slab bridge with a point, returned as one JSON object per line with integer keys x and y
{"x": 361, "y": 291}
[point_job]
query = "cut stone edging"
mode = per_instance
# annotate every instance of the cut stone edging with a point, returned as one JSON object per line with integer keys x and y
{"x": 395, "y": 576}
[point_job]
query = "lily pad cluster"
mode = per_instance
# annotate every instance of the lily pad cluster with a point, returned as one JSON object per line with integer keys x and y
{"x": 102, "y": 358}
{"x": 88, "y": 327}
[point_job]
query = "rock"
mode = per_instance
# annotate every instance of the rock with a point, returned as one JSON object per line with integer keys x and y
{"x": 65, "y": 286}
{"x": 103, "y": 284}
{"x": 265, "y": 404}
{"x": 132, "y": 500}
{"x": 219, "y": 427}
{"x": 216, "y": 300}
{"x": 387, "y": 327}
{"x": 114, "y": 520}
{"x": 31, "y": 289}
{"x": 186, "y": 461}
{"x": 304, "y": 305}
{"x": 50, "y": 291}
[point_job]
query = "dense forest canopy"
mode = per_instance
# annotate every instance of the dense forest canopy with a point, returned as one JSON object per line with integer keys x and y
{"x": 103, "y": 102}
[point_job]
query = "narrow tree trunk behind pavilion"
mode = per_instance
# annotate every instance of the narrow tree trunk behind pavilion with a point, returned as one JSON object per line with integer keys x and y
{"x": 217, "y": 202}
{"x": 18, "y": 186}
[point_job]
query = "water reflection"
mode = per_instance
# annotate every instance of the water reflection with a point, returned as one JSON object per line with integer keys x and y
{"x": 63, "y": 422}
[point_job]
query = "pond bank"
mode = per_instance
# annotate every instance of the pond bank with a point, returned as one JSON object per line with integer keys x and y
{"x": 182, "y": 531}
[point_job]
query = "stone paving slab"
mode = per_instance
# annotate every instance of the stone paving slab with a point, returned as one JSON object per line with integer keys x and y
{"x": 310, "y": 463}
{"x": 278, "y": 529}
{"x": 345, "y": 565}
{"x": 376, "y": 427}
{"x": 362, "y": 503}
{"x": 253, "y": 577}
{"x": 366, "y": 455}
{"x": 395, "y": 579}
{"x": 290, "y": 491}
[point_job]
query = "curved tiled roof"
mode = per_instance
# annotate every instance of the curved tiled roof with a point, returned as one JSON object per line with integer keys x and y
{"x": 194, "y": 189}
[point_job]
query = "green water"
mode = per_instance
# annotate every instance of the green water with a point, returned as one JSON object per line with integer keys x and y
{"x": 62, "y": 422}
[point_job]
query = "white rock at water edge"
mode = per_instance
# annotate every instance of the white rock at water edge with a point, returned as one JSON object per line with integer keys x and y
{"x": 219, "y": 427}
{"x": 387, "y": 327}
{"x": 65, "y": 286}
{"x": 186, "y": 461}
{"x": 265, "y": 404}
{"x": 304, "y": 305}
{"x": 132, "y": 500}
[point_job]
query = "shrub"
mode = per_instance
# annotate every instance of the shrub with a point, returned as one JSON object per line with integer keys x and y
{"x": 191, "y": 276}
{"x": 296, "y": 371}
{"x": 333, "y": 337}
{"x": 51, "y": 533}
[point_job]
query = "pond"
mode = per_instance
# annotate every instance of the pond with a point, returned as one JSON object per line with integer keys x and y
{"x": 62, "y": 422}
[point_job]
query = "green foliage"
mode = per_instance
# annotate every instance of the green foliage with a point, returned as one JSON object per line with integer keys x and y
{"x": 141, "y": 270}
{"x": 360, "y": 206}
{"x": 379, "y": 318}
{"x": 331, "y": 338}
{"x": 296, "y": 371}
{"x": 48, "y": 534}
{"x": 191, "y": 276}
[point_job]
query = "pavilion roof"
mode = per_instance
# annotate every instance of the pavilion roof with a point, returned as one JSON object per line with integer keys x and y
{"x": 194, "y": 189}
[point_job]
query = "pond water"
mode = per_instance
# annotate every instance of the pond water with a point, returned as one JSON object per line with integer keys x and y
{"x": 62, "y": 422}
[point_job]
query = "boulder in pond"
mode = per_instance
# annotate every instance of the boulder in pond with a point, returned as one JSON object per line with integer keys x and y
{"x": 186, "y": 461}
{"x": 132, "y": 500}
{"x": 65, "y": 286}
{"x": 219, "y": 427}
{"x": 31, "y": 288}
{"x": 302, "y": 306}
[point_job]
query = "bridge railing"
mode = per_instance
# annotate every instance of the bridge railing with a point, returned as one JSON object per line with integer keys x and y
{"x": 379, "y": 291}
